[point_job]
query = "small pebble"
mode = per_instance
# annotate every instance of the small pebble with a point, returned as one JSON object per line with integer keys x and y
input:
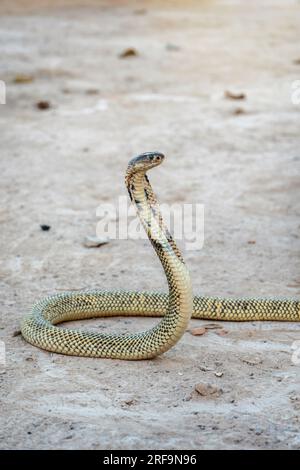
{"x": 92, "y": 242}
{"x": 219, "y": 374}
{"x": 45, "y": 227}
{"x": 205, "y": 369}
{"x": 208, "y": 390}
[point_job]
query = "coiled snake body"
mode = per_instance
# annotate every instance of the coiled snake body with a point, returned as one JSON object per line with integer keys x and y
{"x": 39, "y": 327}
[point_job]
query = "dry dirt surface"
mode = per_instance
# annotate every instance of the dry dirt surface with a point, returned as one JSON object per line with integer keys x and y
{"x": 76, "y": 112}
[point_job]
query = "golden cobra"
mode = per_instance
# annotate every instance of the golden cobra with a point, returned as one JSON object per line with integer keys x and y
{"x": 176, "y": 307}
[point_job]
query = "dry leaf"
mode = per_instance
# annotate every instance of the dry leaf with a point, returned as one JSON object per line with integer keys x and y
{"x": 198, "y": 331}
{"x": 23, "y": 78}
{"x": 234, "y": 96}
{"x": 208, "y": 390}
{"x": 43, "y": 105}
{"x": 213, "y": 326}
{"x": 239, "y": 111}
{"x": 92, "y": 91}
{"x": 130, "y": 52}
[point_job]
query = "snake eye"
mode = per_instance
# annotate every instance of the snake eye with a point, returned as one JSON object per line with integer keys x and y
{"x": 154, "y": 158}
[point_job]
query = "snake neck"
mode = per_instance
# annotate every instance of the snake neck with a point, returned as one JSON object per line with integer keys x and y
{"x": 179, "y": 284}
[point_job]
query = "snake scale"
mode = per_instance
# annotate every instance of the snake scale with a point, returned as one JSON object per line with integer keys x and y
{"x": 39, "y": 327}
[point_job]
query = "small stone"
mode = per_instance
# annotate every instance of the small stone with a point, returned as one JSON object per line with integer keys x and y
{"x": 45, "y": 227}
{"x": 208, "y": 390}
{"x": 219, "y": 374}
{"x": 92, "y": 242}
{"x": 205, "y": 369}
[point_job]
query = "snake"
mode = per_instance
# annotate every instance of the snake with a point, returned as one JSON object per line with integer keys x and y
{"x": 176, "y": 307}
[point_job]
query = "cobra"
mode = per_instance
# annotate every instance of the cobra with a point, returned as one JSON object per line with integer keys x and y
{"x": 175, "y": 307}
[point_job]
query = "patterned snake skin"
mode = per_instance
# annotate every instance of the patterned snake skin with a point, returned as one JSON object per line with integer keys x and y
{"x": 176, "y": 307}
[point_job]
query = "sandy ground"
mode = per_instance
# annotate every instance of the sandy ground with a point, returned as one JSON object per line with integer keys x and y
{"x": 58, "y": 165}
